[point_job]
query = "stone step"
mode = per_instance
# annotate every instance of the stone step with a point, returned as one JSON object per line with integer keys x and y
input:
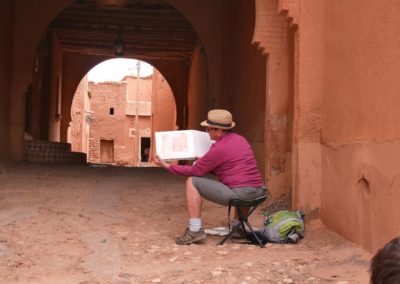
{"x": 49, "y": 152}
{"x": 46, "y": 145}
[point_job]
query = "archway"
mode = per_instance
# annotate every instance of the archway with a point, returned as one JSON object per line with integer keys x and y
{"x": 216, "y": 34}
{"x": 152, "y": 30}
{"x": 122, "y": 110}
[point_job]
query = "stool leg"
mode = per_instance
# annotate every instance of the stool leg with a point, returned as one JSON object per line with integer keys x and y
{"x": 243, "y": 218}
{"x": 224, "y": 239}
{"x": 255, "y": 235}
{"x": 227, "y": 236}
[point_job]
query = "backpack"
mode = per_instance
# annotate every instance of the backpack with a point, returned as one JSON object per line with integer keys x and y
{"x": 284, "y": 226}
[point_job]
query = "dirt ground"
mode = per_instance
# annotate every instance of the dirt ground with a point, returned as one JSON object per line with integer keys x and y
{"x": 81, "y": 224}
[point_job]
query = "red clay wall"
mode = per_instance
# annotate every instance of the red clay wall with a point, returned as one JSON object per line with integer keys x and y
{"x": 248, "y": 79}
{"x": 75, "y": 67}
{"x": 80, "y": 110}
{"x": 40, "y": 94}
{"x": 198, "y": 96}
{"x": 105, "y": 126}
{"x": 139, "y": 89}
{"x": 211, "y": 21}
{"x": 164, "y": 108}
{"x": 360, "y": 120}
{"x": 307, "y": 156}
{"x": 6, "y": 36}
{"x": 29, "y": 28}
{"x": 175, "y": 73}
{"x": 273, "y": 35}
{"x": 56, "y": 93}
{"x": 345, "y": 135}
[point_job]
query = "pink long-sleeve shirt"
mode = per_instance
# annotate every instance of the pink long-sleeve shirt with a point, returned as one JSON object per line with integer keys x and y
{"x": 231, "y": 159}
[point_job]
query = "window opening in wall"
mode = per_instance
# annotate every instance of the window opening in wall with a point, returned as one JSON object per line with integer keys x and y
{"x": 145, "y": 149}
{"x": 111, "y": 111}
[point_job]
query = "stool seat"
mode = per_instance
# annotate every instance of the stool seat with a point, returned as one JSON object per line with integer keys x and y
{"x": 246, "y": 203}
{"x": 243, "y": 217}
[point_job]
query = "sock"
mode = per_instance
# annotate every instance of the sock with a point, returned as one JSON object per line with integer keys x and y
{"x": 194, "y": 224}
{"x": 235, "y": 223}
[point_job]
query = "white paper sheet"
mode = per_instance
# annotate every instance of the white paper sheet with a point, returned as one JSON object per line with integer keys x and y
{"x": 182, "y": 144}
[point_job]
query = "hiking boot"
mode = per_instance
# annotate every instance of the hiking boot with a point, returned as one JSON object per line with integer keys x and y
{"x": 190, "y": 237}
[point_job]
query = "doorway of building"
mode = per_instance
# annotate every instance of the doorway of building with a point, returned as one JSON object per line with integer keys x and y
{"x": 145, "y": 143}
{"x": 107, "y": 151}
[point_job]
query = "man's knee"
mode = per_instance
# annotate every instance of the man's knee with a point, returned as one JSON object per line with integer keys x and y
{"x": 190, "y": 185}
{"x": 189, "y": 181}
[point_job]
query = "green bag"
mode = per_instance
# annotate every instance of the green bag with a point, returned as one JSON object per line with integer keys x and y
{"x": 284, "y": 226}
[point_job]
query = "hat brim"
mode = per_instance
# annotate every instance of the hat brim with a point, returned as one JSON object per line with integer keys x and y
{"x": 206, "y": 124}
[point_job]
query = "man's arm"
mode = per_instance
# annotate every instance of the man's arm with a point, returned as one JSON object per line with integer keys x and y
{"x": 161, "y": 162}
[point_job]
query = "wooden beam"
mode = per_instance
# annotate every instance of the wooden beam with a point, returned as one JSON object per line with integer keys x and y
{"x": 150, "y": 29}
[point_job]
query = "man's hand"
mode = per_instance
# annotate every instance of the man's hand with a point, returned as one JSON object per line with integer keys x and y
{"x": 161, "y": 162}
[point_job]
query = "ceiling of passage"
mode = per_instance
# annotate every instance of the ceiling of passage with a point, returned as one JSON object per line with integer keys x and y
{"x": 150, "y": 29}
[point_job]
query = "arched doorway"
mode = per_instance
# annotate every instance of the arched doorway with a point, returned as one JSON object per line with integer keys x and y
{"x": 212, "y": 39}
{"x": 115, "y": 113}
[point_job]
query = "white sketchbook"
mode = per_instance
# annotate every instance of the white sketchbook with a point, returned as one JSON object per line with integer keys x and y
{"x": 182, "y": 144}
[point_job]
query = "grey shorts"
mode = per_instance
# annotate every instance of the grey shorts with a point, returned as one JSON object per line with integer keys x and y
{"x": 220, "y": 193}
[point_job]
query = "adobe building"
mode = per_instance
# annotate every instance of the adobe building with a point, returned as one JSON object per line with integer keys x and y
{"x": 313, "y": 85}
{"x": 105, "y": 117}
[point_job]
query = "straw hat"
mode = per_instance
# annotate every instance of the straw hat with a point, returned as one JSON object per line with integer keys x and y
{"x": 219, "y": 118}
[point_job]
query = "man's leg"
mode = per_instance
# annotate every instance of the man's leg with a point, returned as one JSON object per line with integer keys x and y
{"x": 193, "y": 200}
{"x": 195, "y": 231}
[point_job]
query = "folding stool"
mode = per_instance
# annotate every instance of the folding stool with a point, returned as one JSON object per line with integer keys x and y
{"x": 243, "y": 217}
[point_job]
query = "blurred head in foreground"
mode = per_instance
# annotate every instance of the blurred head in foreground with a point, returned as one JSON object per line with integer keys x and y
{"x": 385, "y": 265}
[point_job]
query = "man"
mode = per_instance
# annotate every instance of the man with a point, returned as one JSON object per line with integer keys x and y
{"x": 231, "y": 159}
